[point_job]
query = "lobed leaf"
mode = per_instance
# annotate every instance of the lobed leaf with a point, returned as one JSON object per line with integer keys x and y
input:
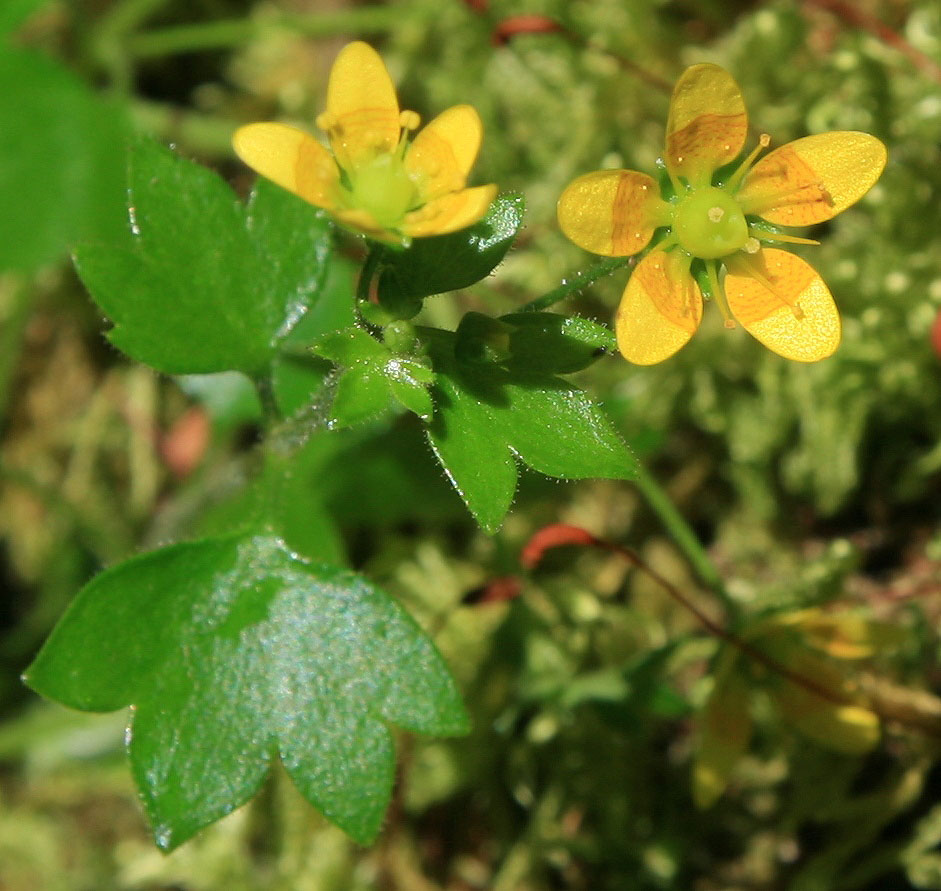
{"x": 234, "y": 651}
{"x": 198, "y": 283}
{"x": 487, "y": 416}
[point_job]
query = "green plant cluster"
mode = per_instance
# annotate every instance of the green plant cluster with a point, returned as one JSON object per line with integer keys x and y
{"x": 300, "y": 543}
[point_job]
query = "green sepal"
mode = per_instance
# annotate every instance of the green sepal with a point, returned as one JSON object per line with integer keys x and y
{"x": 488, "y": 416}
{"x": 442, "y": 263}
{"x": 233, "y": 652}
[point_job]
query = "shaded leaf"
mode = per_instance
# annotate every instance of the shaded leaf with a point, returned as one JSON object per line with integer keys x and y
{"x": 448, "y": 262}
{"x": 488, "y": 416}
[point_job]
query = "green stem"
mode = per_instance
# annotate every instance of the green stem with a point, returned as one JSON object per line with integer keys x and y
{"x": 684, "y": 538}
{"x": 580, "y": 280}
{"x": 227, "y": 33}
{"x": 368, "y": 273}
{"x": 270, "y": 410}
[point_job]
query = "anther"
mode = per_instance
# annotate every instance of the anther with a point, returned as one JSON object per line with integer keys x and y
{"x": 409, "y": 120}
{"x": 763, "y": 142}
{"x": 752, "y": 246}
{"x": 715, "y": 214}
{"x": 326, "y": 121}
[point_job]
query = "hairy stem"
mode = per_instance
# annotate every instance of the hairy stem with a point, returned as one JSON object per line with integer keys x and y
{"x": 575, "y": 284}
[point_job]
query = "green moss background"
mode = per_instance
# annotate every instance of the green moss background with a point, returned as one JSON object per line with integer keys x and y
{"x": 810, "y": 484}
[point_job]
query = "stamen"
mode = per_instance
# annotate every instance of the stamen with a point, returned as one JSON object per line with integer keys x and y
{"x": 735, "y": 180}
{"x": 766, "y": 201}
{"x": 752, "y": 246}
{"x": 409, "y": 120}
{"x": 718, "y": 293}
{"x": 758, "y": 235}
{"x": 326, "y": 121}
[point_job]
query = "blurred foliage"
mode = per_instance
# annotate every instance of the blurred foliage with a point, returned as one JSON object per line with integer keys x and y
{"x": 815, "y": 486}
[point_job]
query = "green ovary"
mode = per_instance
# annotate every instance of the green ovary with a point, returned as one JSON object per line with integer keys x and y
{"x": 382, "y": 186}
{"x": 709, "y": 224}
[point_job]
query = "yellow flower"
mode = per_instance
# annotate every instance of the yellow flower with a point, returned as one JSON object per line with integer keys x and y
{"x": 717, "y": 220}
{"x": 375, "y": 181}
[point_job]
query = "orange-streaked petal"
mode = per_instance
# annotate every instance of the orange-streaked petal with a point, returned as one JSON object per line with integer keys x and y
{"x": 782, "y": 301}
{"x": 291, "y": 158}
{"x": 813, "y": 179}
{"x": 362, "y": 117}
{"x": 707, "y": 123}
{"x": 444, "y": 151}
{"x": 456, "y": 210}
{"x": 610, "y": 212}
{"x": 660, "y": 310}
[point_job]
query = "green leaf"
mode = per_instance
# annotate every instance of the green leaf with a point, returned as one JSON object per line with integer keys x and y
{"x": 15, "y": 12}
{"x": 233, "y": 652}
{"x": 60, "y": 159}
{"x": 487, "y": 416}
{"x": 198, "y": 283}
{"x": 448, "y": 262}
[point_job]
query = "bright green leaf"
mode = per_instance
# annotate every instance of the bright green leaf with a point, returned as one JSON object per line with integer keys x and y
{"x": 362, "y": 393}
{"x": 487, "y": 416}
{"x": 61, "y": 151}
{"x": 200, "y": 283}
{"x": 448, "y": 262}
{"x": 372, "y": 375}
{"x": 234, "y": 652}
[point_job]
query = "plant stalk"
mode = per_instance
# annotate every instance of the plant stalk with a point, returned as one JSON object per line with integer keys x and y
{"x": 227, "y": 33}
{"x": 579, "y": 281}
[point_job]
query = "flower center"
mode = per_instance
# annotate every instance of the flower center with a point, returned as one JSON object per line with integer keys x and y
{"x": 382, "y": 186}
{"x": 709, "y": 224}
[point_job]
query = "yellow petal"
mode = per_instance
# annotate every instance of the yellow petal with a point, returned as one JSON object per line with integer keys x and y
{"x": 456, "y": 210}
{"x": 725, "y": 729}
{"x": 610, "y": 212}
{"x": 361, "y": 220}
{"x": 291, "y": 158}
{"x": 707, "y": 123}
{"x": 443, "y": 153}
{"x": 362, "y": 117}
{"x": 813, "y": 179}
{"x": 781, "y": 301}
{"x": 660, "y": 310}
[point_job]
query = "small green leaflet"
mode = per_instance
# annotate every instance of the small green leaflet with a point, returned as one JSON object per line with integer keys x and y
{"x": 487, "y": 416}
{"x": 232, "y": 652}
{"x": 372, "y": 376}
{"x": 198, "y": 282}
